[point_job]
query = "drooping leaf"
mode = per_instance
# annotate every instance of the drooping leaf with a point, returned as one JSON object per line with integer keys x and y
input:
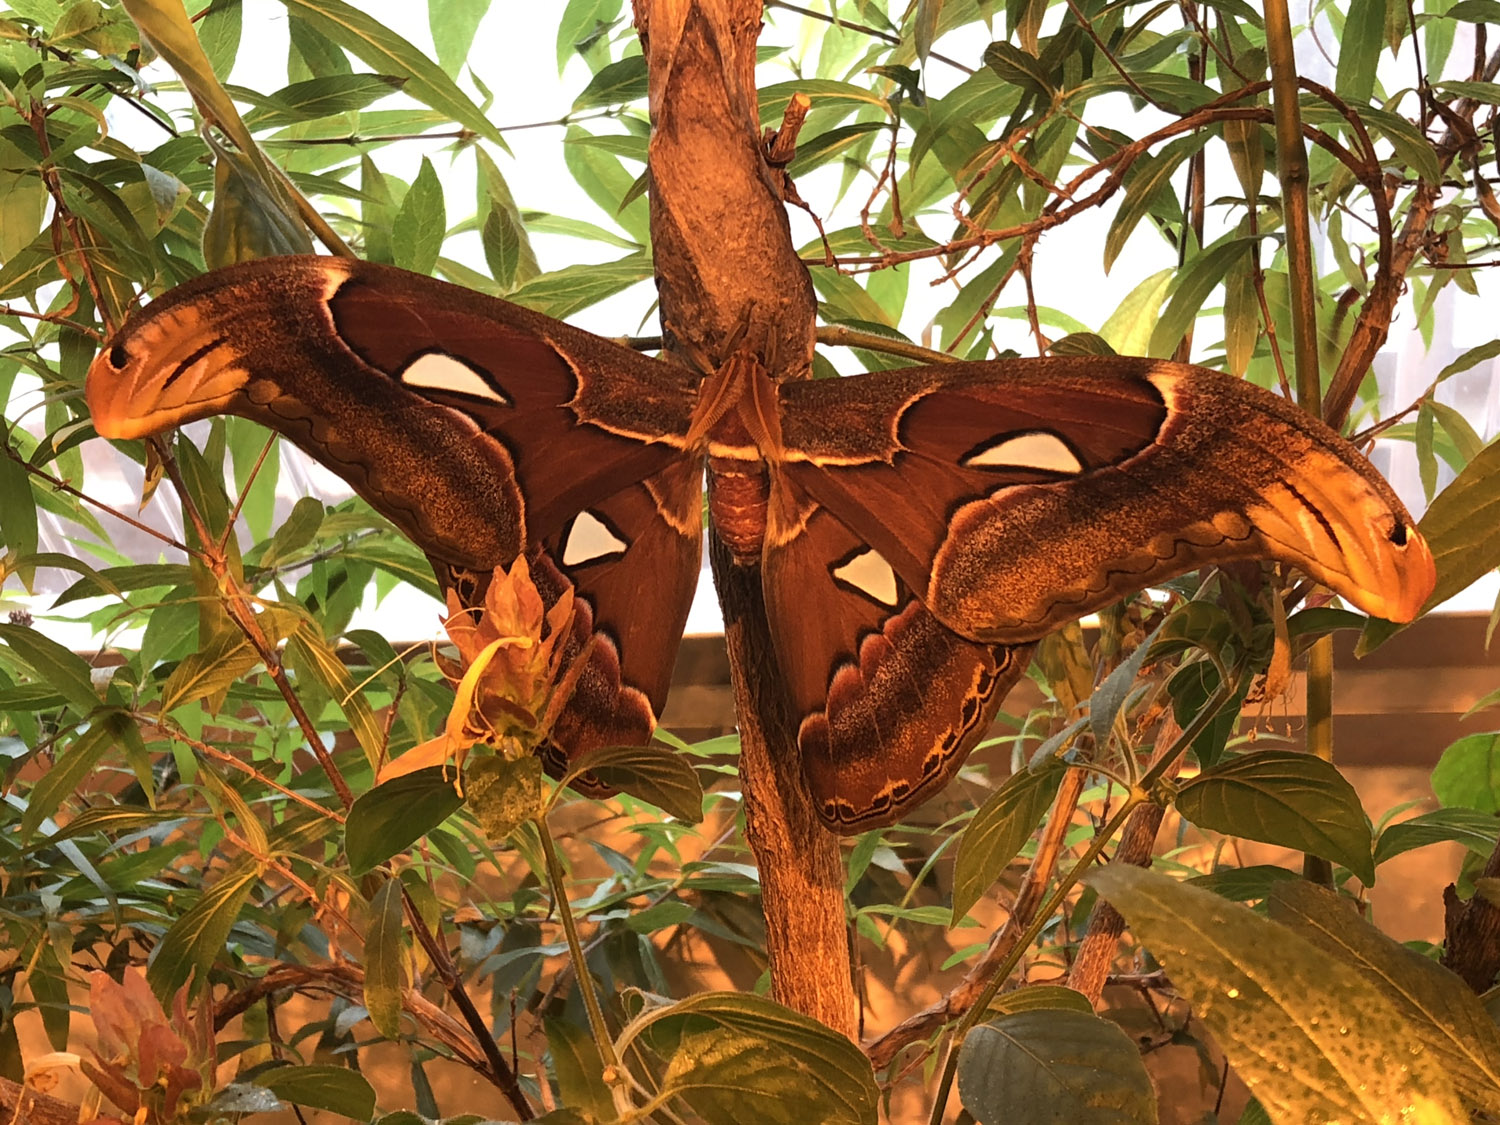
{"x": 1478, "y": 831}
{"x": 197, "y": 938}
{"x": 385, "y": 960}
{"x": 653, "y": 773}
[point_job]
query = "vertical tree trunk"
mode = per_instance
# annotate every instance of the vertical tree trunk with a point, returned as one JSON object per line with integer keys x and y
{"x": 729, "y": 277}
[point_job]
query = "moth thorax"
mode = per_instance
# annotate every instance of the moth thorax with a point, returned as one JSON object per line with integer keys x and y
{"x": 738, "y": 495}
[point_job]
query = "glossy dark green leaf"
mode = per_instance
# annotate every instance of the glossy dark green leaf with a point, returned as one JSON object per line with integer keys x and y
{"x": 1312, "y": 1037}
{"x": 396, "y": 814}
{"x": 1040, "y": 1067}
{"x": 1477, "y": 830}
{"x": 336, "y": 1089}
{"x": 1286, "y": 798}
{"x": 619, "y": 83}
{"x": 998, "y": 832}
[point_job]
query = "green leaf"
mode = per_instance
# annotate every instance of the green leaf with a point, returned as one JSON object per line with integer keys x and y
{"x": 1468, "y": 774}
{"x": 1462, "y": 526}
{"x": 1487, "y": 93}
{"x": 654, "y": 773}
{"x": 396, "y": 814}
{"x": 1042, "y": 997}
{"x": 308, "y": 652}
{"x": 579, "y": 1068}
{"x": 1307, "y": 1032}
{"x": 1242, "y": 884}
{"x": 18, "y": 523}
{"x": 328, "y": 96}
{"x": 1443, "y": 1015}
{"x": 453, "y": 24}
{"x": 205, "y": 675}
{"x": 1286, "y": 798}
{"x": 1474, "y": 11}
{"x": 301, "y": 525}
{"x": 998, "y": 832}
{"x": 69, "y": 769}
{"x": 1151, "y": 177}
{"x": 1040, "y": 1067}
{"x": 249, "y": 220}
{"x": 1195, "y": 281}
{"x": 198, "y": 937}
{"x": 503, "y": 792}
{"x": 336, "y": 1089}
{"x": 564, "y": 292}
{"x": 1128, "y": 329}
{"x": 53, "y": 665}
{"x": 737, "y": 1057}
{"x": 1474, "y": 355}
{"x": 385, "y": 960}
{"x": 925, "y": 26}
{"x": 1359, "y": 50}
{"x": 618, "y": 83}
{"x": 1478, "y": 831}
{"x": 385, "y": 52}
{"x": 421, "y": 223}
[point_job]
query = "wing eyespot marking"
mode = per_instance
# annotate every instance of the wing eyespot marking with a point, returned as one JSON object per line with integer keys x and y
{"x": 589, "y": 539}
{"x": 438, "y": 371}
{"x": 867, "y": 573}
{"x": 1030, "y": 449}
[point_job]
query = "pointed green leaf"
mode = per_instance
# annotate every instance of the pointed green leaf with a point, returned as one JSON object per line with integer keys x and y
{"x": 204, "y": 676}
{"x": 198, "y": 937}
{"x": 69, "y": 770}
{"x": 421, "y": 223}
{"x": 579, "y": 1068}
{"x": 1285, "y": 798}
{"x": 738, "y": 1057}
{"x": 1476, "y": 830}
{"x": 336, "y": 1089}
{"x": 396, "y": 814}
{"x": 385, "y": 52}
{"x": 998, "y": 832}
{"x": 385, "y": 960}
{"x": 453, "y": 24}
{"x": 1468, "y": 773}
{"x": 53, "y": 665}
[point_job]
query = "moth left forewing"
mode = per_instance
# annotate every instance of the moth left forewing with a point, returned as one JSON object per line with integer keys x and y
{"x": 1017, "y": 495}
{"x": 889, "y": 701}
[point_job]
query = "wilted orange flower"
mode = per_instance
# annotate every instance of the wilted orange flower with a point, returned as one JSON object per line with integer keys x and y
{"x": 507, "y": 675}
{"x": 145, "y": 1063}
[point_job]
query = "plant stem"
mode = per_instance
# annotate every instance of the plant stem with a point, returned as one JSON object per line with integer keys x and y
{"x": 558, "y": 887}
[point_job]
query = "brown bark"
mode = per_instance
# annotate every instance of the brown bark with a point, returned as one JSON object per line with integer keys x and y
{"x": 1097, "y": 951}
{"x": 22, "y": 1106}
{"x": 1472, "y": 944}
{"x": 729, "y": 280}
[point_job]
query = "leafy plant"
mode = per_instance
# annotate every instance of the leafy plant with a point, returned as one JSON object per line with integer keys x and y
{"x": 192, "y": 814}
